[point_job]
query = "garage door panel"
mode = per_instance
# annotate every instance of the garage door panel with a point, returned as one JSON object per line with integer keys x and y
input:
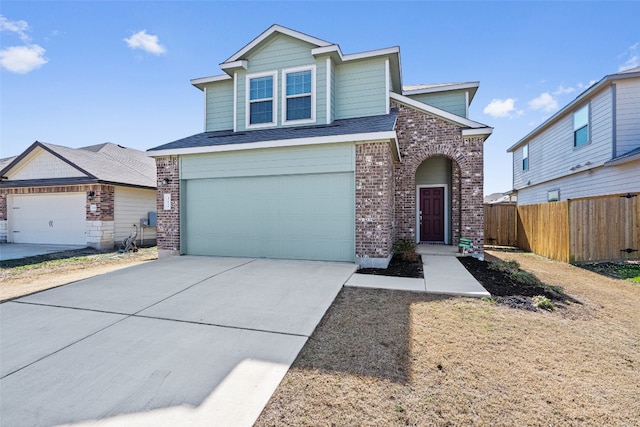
{"x": 58, "y": 218}
{"x": 294, "y": 216}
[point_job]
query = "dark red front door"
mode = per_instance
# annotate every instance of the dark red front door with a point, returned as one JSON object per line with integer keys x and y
{"x": 432, "y": 214}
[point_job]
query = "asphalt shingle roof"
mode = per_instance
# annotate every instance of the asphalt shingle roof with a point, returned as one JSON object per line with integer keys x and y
{"x": 107, "y": 163}
{"x": 372, "y": 124}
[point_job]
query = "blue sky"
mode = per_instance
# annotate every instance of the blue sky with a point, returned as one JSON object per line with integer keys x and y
{"x": 78, "y": 73}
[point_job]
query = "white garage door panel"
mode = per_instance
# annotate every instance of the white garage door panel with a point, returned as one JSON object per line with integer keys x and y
{"x": 57, "y": 218}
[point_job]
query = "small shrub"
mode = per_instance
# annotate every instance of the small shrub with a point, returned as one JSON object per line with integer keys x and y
{"x": 505, "y": 266}
{"x": 406, "y": 250}
{"x": 540, "y": 301}
{"x": 488, "y": 299}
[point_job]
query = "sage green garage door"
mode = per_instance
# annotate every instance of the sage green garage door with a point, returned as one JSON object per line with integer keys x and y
{"x": 307, "y": 213}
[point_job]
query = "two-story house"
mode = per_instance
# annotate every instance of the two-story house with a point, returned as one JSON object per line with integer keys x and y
{"x": 309, "y": 153}
{"x": 589, "y": 148}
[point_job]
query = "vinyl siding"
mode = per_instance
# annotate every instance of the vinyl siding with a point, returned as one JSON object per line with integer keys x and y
{"x": 219, "y": 106}
{"x": 454, "y": 101}
{"x": 627, "y": 116}
{"x": 333, "y": 91}
{"x": 40, "y": 164}
{"x": 279, "y": 53}
{"x": 552, "y": 154}
{"x": 599, "y": 182}
{"x": 360, "y": 89}
{"x": 131, "y": 204}
{"x": 273, "y": 161}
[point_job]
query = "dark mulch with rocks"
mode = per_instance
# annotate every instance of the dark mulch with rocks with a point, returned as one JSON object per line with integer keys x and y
{"x": 505, "y": 290}
{"x": 398, "y": 268}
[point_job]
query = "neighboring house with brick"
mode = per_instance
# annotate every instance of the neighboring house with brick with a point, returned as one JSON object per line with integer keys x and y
{"x": 309, "y": 153}
{"x": 89, "y": 196}
{"x": 589, "y": 148}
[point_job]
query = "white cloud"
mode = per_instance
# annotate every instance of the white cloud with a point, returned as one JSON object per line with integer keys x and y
{"x": 633, "y": 57}
{"x": 22, "y": 59}
{"x": 500, "y": 108}
{"x": 545, "y": 102}
{"x": 147, "y": 42}
{"x": 18, "y": 27}
{"x": 561, "y": 90}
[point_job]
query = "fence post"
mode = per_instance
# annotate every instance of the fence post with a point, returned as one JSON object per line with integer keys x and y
{"x": 569, "y": 234}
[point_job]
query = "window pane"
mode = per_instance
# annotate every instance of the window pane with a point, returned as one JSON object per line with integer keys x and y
{"x": 581, "y": 117}
{"x": 525, "y": 164}
{"x": 261, "y": 112}
{"x": 299, "y": 108}
{"x": 261, "y": 88}
{"x": 299, "y": 83}
{"x": 581, "y": 136}
{"x": 525, "y": 151}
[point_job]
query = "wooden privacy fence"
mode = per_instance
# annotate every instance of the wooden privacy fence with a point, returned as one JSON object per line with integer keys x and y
{"x": 579, "y": 230}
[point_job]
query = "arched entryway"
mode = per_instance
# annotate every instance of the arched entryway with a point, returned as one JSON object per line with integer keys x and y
{"x": 433, "y": 180}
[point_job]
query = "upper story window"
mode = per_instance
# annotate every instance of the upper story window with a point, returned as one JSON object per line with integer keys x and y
{"x": 525, "y": 157}
{"x": 261, "y": 99}
{"x": 299, "y": 94}
{"x": 581, "y": 126}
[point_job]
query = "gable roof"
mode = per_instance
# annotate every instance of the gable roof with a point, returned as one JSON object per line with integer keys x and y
{"x": 104, "y": 163}
{"x": 587, "y": 94}
{"x": 441, "y": 87}
{"x": 343, "y": 130}
{"x": 470, "y": 127}
{"x": 322, "y": 47}
{"x": 268, "y": 32}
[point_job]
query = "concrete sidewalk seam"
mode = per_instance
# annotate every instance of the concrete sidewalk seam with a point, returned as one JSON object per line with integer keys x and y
{"x": 63, "y": 348}
{"x": 197, "y": 283}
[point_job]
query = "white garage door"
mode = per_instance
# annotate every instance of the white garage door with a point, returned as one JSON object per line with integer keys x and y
{"x": 57, "y": 218}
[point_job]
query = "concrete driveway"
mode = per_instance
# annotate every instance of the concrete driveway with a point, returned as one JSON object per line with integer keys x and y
{"x": 23, "y": 250}
{"x": 180, "y": 341}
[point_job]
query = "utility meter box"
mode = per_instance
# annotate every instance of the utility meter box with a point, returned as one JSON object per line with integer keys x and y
{"x": 153, "y": 219}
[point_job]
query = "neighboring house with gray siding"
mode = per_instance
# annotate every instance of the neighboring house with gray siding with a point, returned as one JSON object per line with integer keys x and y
{"x": 88, "y": 196}
{"x": 309, "y": 153}
{"x": 589, "y": 148}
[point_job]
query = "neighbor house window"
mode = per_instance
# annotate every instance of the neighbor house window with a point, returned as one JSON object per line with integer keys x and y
{"x": 298, "y": 94}
{"x": 525, "y": 157}
{"x": 261, "y": 99}
{"x": 581, "y": 126}
{"x": 553, "y": 195}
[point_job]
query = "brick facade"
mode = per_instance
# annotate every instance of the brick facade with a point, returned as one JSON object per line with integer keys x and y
{"x": 168, "y": 227}
{"x": 374, "y": 204}
{"x": 420, "y": 136}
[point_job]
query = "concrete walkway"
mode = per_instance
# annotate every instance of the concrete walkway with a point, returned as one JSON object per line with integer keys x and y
{"x": 443, "y": 275}
{"x": 198, "y": 341}
{"x": 22, "y": 250}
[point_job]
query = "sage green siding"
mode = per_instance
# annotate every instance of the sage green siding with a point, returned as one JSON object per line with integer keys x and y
{"x": 360, "y": 89}
{"x": 295, "y": 203}
{"x": 454, "y": 101}
{"x": 280, "y": 52}
{"x": 434, "y": 170}
{"x": 270, "y": 161}
{"x": 219, "y": 106}
{"x": 277, "y": 54}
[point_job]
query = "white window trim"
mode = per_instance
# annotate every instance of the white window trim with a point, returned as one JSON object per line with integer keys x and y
{"x": 447, "y": 240}
{"x": 573, "y": 125}
{"x": 247, "y": 95}
{"x": 286, "y": 71}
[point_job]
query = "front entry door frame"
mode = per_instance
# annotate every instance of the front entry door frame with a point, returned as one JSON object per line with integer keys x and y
{"x": 447, "y": 239}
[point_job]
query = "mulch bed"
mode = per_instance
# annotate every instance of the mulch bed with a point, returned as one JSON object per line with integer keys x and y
{"x": 507, "y": 291}
{"x": 398, "y": 268}
{"x": 502, "y": 287}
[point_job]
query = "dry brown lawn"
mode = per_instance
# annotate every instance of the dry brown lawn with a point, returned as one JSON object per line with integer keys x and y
{"x": 45, "y": 274}
{"x": 389, "y": 358}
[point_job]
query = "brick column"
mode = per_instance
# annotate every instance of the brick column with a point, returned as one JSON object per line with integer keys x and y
{"x": 374, "y": 204}
{"x": 168, "y": 227}
{"x": 100, "y": 224}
